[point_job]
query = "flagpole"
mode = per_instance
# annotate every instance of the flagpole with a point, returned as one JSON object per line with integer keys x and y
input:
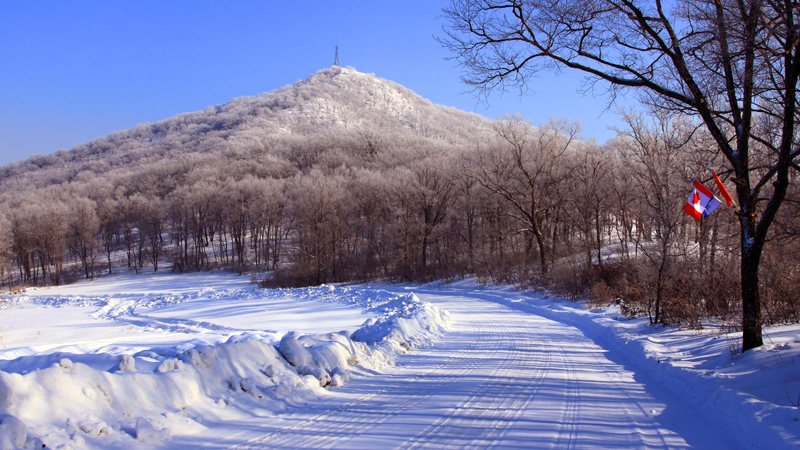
{"x": 731, "y": 203}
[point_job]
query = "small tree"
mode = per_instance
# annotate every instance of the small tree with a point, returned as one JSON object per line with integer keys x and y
{"x": 591, "y": 197}
{"x": 6, "y": 249}
{"x": 654, "y": 161}
{"x": 107, "y": 212}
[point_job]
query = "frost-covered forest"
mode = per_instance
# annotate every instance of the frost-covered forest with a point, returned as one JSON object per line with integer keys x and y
{"x": 348, "y": 177}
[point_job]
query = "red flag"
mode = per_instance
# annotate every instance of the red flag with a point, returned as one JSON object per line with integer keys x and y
{"x": 701, "y": 202}
{"x": 722, "y": 190}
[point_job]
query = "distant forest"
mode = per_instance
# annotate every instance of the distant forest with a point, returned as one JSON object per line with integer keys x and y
{"x": 347, "y": 177}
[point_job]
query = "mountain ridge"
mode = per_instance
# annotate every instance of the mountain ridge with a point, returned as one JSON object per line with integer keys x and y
{"x": 334, "y": 100}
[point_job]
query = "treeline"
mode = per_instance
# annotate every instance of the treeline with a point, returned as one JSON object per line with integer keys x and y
{"x": 533, "y": 206}
{"x": 346, "y": 177}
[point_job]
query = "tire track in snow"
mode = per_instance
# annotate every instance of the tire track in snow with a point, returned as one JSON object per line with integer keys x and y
{"x": 514, "y": 380}
{"x": 125, "y": 312}
{"x": 482, "y": 419}
{"x": 641, "y": 409}
{"x": 635, "y": 410}
{"x": 330, "y": 429}
{"x": 186, "y": 326}
{"x": 567, "y": 429}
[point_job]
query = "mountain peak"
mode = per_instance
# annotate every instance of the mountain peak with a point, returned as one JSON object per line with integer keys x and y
{"x": 335, "y": 101}
{"x": 343, "y": 96}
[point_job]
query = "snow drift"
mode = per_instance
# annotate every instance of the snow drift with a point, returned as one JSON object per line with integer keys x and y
{"x": 70, "y": 404}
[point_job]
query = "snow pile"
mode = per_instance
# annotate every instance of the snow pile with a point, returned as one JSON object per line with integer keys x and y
{"x": 406, "y": 323}
{"x": 147, "y": 396}
{"x": 14, "y": 434}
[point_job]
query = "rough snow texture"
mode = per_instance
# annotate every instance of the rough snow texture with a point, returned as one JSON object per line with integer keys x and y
{"x": 137, "y": 402}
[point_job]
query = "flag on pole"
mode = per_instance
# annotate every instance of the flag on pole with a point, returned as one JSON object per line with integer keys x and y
{"x": 722, "y": 191}
{"x": 701, "y": 202}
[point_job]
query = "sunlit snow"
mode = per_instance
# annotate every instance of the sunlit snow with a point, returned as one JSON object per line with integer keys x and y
{"x": 210, "y": 361}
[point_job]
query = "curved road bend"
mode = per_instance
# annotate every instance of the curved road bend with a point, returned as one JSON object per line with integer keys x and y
{"x": 501, "y": 379}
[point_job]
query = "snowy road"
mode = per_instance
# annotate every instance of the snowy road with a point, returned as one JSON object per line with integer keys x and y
{"x": 500, "y": 379}
{"x": 198, "y": 361}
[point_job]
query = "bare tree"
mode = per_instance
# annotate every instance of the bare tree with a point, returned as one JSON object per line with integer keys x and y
{"x": 320, "y": 208}
{"x": 238, "y": 196}
{"x": 420, "y": 198}
{"x": 370, "y": 204}
{"x": 468, "y": 199}
{"x": 432, "y": 189}
{"x": 180, "y": 211}
{"x": 733, "y": 65}
{"x": 41, "y": 230}
{"x": 150, "y": 222}
{"x": 6, "y": 249}
{"x": 84, "y": 227}
{"x": 590, "y": 198}
{"x": 655, "y": 163}
{"x": 109, "y": 214}
{"x": 526, "y": 170}
{"x": 267, "y": 218}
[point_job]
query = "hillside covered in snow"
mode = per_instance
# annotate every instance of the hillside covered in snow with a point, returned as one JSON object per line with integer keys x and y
{"x": 346, "y": 177}
{"x": 276, "y": 133}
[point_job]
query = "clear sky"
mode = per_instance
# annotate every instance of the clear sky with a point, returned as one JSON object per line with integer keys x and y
{"x": 75, "y": 70}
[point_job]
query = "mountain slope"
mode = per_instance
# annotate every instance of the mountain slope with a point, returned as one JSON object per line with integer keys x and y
{"x": 333, "y": 107}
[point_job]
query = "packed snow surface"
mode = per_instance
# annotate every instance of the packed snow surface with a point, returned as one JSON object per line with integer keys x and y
{"x": 209, "y": 361}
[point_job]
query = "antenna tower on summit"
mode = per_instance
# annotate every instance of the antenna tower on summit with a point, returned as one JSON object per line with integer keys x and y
{"x": 336, "y": 57}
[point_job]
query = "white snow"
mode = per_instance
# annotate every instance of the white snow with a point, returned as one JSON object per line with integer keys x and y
{"x": 128, "y": 361}
{"x": 208, "y": 361}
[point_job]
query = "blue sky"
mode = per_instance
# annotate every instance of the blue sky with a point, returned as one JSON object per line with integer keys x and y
{"x": 77, "y": 70}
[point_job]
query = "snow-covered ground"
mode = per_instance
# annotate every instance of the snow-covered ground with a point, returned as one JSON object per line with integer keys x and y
{"x": 208, "y": 361}
{"x": 141, "y": 361}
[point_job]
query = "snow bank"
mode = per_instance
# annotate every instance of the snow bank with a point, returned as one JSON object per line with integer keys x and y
{"x": 758, "y": 392}
{"x": 144, "y": 398}
{"x": 406, "y": 323}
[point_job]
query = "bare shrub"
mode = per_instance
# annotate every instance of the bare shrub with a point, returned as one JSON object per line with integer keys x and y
{"x": 690, "y": 294}
{"x": 781, "y": 278}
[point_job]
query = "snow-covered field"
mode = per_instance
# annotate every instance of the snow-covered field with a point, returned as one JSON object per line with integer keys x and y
{"x": 209, "y": 361}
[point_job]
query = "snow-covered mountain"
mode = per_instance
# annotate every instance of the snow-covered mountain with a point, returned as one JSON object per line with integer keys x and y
{"x": 294, "y": 126}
